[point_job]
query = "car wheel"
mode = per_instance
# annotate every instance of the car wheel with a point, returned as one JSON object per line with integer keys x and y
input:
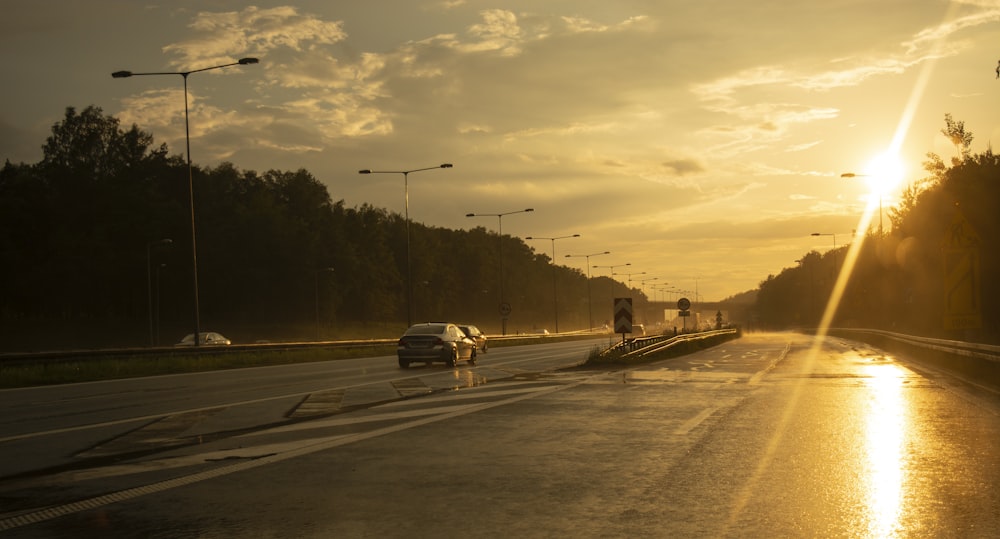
{"x": 404, "y": 364}
{"x": 452, "y": 358}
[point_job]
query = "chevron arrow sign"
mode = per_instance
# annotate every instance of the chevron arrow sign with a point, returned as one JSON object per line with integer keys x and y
{"x": 623, "y": 315}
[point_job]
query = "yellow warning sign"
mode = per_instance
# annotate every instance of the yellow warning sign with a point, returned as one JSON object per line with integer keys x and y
{"x": 962, "y": 276}
{"x": 961, "y": 235}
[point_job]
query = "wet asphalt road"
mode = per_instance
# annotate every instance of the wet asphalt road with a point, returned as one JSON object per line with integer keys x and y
{"x": 765, "y": 436}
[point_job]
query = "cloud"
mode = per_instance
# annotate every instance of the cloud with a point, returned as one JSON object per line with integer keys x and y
{"x": 221, "y": 37}
{"x": 683, "y": 167}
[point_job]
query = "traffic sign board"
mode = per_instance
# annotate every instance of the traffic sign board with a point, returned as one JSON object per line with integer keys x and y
{"x": 504, "y": 309}
{"x": 963, "y": 276}
{"x": 623, "y": 315}
{"x": 683, "y": 304}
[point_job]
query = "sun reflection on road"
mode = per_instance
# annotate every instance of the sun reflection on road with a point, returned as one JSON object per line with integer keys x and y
{"x": 885, "y": 433}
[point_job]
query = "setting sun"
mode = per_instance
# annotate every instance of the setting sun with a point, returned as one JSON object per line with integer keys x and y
{"x": 884, "y": 173}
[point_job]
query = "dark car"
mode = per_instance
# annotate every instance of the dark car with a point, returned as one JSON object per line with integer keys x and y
{"x": 207, "y": 338}
{"x": 473, "y": 333}
{"x": 435, "y": 341}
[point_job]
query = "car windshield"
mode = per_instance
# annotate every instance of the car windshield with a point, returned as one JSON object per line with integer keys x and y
{"x": 430, "y": 329}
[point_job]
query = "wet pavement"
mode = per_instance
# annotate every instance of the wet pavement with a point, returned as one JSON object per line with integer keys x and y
{"x": 764, "y": 436}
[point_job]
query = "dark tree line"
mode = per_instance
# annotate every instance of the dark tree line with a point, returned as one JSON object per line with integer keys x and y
{"x": 903, "y": 281}
{"x": 278, "y": 259}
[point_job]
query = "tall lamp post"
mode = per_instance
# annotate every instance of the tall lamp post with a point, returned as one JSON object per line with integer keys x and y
{"x": 149, "y": 283}
{"x": 406, "y": 210}
{"x": 834, "y": 249}
{"x": 590, "y": 302}
{"x": 628, "y": 277}
{"x": 504, "y": 307}
{"x": 187, "y": 138}
{"x": 611, "y": 274}
{"x": 642, "y": 283}
{"x": 853, "y": 175}
{"x": 555, "y": 295}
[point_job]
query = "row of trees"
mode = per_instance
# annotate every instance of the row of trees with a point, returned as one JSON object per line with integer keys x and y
{"x": 277, "y": 258}
{"x": 910, "y": 279}
{"x": 85, "y": 264}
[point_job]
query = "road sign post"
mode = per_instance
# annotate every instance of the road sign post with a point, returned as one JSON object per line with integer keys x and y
{"x": 683, "y": 305}
{"x": 623, "y": 316}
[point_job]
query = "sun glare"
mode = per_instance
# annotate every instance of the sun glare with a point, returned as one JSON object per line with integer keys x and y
{"x": 884, "y": 172}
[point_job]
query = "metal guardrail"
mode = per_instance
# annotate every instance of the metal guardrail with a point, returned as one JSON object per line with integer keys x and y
{"x": 168, "y": 351}
{"x": 987, "y": 352}
{"x": 643, "y": 346}
{"x": 171, "y": 351}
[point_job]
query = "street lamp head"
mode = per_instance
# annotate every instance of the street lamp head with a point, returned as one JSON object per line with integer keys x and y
{"x": 121, "y": 74}
{"x": 365, "y": 171}
{"x": 247, "y": 61}
{"x": 529, "y": 209}
{"x": 815, "y": 234}
{"x": 850, "y": 175}
{"x": 470, "y": 215}
{"x": 576, "y": 235}
{"x": 446, "y": 165}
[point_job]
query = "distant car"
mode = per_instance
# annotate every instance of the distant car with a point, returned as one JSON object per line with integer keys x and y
{"x": 541, "y": 332}
{"x": 475, "y": 334}
{"x": 205, "y": 338}
{"x": 638, "y": 330}
{"x": 435, "y": 342}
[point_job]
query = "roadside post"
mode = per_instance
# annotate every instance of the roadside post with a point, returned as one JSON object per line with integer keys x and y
{"x": 683, "y": 305}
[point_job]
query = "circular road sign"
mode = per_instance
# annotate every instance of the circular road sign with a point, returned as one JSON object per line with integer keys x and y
{"x": 504, "y": 309}
{"x": 683, "y": 304}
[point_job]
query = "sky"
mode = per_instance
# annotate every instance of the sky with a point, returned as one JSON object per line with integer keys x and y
{"x": 702, "y": 143}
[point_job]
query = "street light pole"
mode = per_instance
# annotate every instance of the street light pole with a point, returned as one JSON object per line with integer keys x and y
{"x": 504, "y": 308}
{"x": 629, "y": 278}
{"x": 149, "y": 283}
{"x": 555, "y": 295}
{"x": 406, "y": 210}
{"x": 590, "y": 302}
{"x": 642, "y": 283}
{"x": 612, "y": 275}
{"x": 834, "y": 250}
{"x": 187, "y": 139}
{"x": 853, "y": 175}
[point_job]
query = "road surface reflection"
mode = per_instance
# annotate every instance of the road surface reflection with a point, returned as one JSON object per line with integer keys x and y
{"x": 885, "y": 438}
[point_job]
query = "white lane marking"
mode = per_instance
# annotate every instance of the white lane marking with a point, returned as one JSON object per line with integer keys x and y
{"x": 759, "y": 375}
{"x": 152, "y": 417}
{"x": 320, "y": 445}
{"x": 690, "y": 424}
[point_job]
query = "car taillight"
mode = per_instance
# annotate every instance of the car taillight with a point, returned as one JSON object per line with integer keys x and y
{"x": 400, "y": 343}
